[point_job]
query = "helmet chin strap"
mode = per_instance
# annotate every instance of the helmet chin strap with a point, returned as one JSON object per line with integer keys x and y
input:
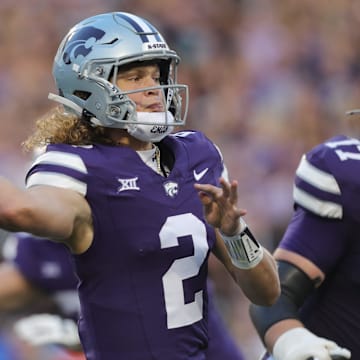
{"x": 151, "y": 126}
{"x": 66, "y": 102}
{"x": 353, "y": 112}
{"x": 70, "y": 105}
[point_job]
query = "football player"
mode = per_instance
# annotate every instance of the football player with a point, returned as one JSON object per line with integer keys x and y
{"x": 317, "y": 314}
{"x": 139, "y": 207}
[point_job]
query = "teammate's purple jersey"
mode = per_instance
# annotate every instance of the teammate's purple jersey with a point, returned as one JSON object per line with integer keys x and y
{"x": 46, "y": 265}
{"x": 326, "y": 229}
{"x": 143, "y": 280}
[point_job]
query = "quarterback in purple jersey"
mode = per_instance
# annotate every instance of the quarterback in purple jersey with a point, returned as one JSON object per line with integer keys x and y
{"x": 139, "y": 207}
{"x": 317, "y": 314}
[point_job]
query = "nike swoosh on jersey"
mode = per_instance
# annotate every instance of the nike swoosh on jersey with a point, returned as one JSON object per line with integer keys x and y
{"x": 199, "y": 175}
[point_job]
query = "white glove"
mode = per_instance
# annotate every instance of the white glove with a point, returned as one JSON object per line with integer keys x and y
{"x": 44, "y": 329}
{"x": 301, "y": 344}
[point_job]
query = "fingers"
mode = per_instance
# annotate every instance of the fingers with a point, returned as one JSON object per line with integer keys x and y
{"x": 204, "y": 198}
{"x": 227, "y": 190}
{"x": 340, "y": 353}
{"x": 225, "y": 195}
{"x": 230, "y": 190}
{"x": 210, "y": 190}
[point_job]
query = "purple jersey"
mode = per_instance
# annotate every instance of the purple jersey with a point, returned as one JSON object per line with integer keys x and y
{"x": 143, "y": 280}
{"x": 46, "y": 265}
{"x": 325, "y": 228}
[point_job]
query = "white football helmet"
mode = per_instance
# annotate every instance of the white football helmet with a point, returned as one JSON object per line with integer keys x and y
{"x": 87, "y": 61}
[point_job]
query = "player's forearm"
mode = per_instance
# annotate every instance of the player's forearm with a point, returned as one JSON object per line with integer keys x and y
{"x": 254, "y": 268}
{"x": 276, "y": 330}
{"x": 42, "y": 210}
{"x": 21, "y": 210}
{"x": 260, "y": 283}
{"x": 11, "y": 206}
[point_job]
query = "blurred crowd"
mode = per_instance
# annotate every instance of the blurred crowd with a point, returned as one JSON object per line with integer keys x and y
{"x": 268, "y": 80}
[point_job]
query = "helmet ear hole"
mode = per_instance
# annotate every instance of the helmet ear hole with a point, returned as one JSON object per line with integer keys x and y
{"x": 84, "y": 95}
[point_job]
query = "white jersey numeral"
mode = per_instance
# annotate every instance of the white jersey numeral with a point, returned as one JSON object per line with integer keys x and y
{"x": 345, "y": 155}
{"x": 178, "y": 312}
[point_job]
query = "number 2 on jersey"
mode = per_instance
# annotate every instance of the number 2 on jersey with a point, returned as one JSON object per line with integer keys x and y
{"x": 178, "y": 312}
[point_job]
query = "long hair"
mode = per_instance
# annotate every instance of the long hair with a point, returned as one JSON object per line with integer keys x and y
{"x": 58, "y": 126}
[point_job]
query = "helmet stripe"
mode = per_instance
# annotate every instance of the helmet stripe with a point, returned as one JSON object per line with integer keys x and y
{"x": 143, "y": 28}
{"x": 156, "y": 33}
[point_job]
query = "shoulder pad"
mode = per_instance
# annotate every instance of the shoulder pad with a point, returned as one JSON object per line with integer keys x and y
{"x": 326, "y": 182}
{"x": 59, "y": 167}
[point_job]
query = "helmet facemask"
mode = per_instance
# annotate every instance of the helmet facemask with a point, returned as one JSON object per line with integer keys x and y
{"x": 172, "y": 95}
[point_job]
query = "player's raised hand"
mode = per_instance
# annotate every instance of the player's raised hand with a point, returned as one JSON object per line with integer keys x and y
{"x": 220, "y": 206}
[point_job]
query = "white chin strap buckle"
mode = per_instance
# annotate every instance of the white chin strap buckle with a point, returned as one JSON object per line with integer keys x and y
{"x": 68, "y": 103}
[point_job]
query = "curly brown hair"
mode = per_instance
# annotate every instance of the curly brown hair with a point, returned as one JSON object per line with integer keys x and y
{"x": 58, "y": 126}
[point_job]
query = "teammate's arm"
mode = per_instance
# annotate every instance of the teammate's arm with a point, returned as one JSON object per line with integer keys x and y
{"x": 279, "y": 327}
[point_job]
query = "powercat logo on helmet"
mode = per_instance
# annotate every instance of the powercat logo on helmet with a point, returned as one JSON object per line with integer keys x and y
{"x": 79, "y": 43}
